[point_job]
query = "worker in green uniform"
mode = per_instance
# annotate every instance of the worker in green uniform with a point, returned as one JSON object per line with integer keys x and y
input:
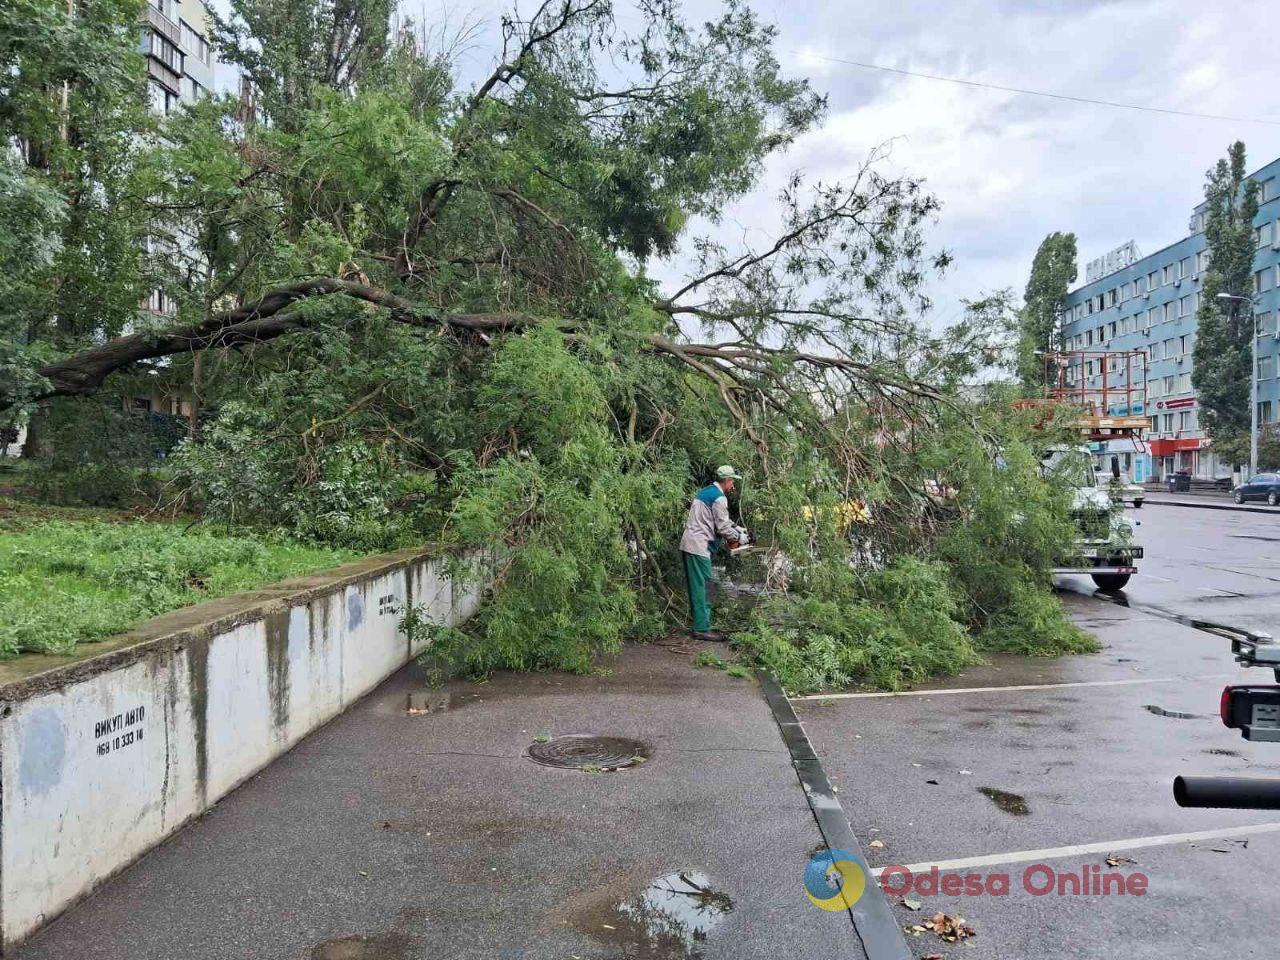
{"x": 706, "y": 529}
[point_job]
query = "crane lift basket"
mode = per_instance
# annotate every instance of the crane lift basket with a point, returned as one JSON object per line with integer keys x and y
{"x": 1107, "y": 388}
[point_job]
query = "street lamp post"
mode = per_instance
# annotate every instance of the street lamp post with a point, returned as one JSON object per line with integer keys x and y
{"x": 1253, "y": 385}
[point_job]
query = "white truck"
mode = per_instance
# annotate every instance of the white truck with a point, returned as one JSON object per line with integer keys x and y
{"x": 1104, "y": 547}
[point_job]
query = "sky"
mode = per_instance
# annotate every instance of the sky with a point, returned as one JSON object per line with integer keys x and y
{"x": 1008, "y": 168}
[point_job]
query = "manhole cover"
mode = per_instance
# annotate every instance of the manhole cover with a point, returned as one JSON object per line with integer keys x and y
{"x": 589, "y": 753}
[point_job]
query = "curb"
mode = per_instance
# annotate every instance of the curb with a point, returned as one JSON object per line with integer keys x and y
{"x": 873, "y": 919}
{"x": 1272, "y": 511}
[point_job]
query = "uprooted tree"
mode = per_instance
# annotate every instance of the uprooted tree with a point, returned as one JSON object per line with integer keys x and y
{"x": 414, "y": 309}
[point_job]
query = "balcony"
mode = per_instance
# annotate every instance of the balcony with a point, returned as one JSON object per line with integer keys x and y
{"x": 164, "y": 26}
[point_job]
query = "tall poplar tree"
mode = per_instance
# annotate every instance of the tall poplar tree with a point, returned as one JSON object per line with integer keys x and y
{"x": 1224, "y": 350}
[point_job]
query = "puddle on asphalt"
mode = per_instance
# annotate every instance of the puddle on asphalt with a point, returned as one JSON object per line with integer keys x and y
{"x": 436, "y": 701}
{"x": 1011, "y": 803}
{"x": 1176, "y": 715}
{"x": 390, "y": 946}
{"x": 671, "y": 919}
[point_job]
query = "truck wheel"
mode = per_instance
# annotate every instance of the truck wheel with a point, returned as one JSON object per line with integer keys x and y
{"x": 1110, "y": 582}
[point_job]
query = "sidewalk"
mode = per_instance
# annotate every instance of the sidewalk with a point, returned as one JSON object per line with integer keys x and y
{"x": 1208, "y": 501}
{"x": 398, "y": 834}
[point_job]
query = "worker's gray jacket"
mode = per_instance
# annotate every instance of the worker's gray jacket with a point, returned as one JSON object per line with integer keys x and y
{"x": 708, "y": 521}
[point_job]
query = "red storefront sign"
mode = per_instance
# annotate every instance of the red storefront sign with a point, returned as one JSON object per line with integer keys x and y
{"x": 1176, "y": 404}
{"x": 1167, "y": 448}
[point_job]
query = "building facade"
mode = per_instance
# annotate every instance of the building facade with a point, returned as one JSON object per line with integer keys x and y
{"x": 180, "y": 70}
{"x": 180, "y": 61}
{"x": 1149, "y": 304}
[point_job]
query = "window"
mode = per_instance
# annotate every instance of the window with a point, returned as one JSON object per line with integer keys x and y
{"x": 1088, "y": 338}
{"x": 1168, "y": 423}
{"x": 1112, "y": 296}
{"x": 1262, "y": 281}
{"x": 1111, "y": 330}
{"x": 1171, "y": 310}
{"x": 192, "y": 91}
{"x": 1184, "y": 420}
{"x": 1184, "y": 267}
{"x": 1262, "y": 235}
{"x": 1153, "y": 389}
{"x": 166, "y": 52}
{"x": 1140, "y": 286}
{"x": 1265, "y": 412}
{"x": 1185, "y": 343}
{"x": 1153, "y": 279}
{"x": 194, "y": 42}
{"x": 1170, "y": 348}
{"x": 1202, "y": 261}
{"x": 1153, "y": 316}
{"x": 1184, "y": 307}
{"x": 164, "y": 6}
{"x": 1268, "y": 191}
{"x": 1170, "y": 273}
{"x": 1195, "y": 302}
{"x": 1155, "y": 424}
{"x": 1266, "y": 367}
{"x": 163, "y": 100}
{"x": 1126, "y": 291}
{"x": 1166, "y": 385}
{"x": 1183, "y": 384}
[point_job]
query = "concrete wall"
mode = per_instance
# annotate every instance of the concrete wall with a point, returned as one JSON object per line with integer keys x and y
{"x": 104, "y": 755}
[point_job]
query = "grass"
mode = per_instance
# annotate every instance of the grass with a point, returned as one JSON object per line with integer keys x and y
{"x": 73, "y": 576}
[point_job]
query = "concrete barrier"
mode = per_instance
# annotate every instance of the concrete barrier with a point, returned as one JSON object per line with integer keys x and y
{"x": 105, "y": 754}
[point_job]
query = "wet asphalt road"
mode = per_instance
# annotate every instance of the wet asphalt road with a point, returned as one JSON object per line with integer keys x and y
{"x": 398, "y": 835}
{"x": 395, "y": 835}
{"x": 1001, "y": 773}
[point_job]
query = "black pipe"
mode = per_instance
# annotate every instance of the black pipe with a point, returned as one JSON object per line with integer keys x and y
{"x": 1236, "y": 793}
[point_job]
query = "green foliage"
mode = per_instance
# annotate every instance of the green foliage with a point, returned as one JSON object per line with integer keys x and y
{"x": 69, "y": 582}
{"x": 97, "y": 453}
{"x": 1224, "y": 338}
{"x": 502, "y": 373}
{"x": 1052, "y": 272}
{"x": 890, "y": 630}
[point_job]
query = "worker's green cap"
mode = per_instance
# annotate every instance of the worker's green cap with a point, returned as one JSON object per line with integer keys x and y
{"x": 727, "y": 473}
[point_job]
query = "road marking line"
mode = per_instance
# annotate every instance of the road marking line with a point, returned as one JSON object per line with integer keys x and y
{"x": 1022, "y": 686}
{"x": 1082, "y": 849}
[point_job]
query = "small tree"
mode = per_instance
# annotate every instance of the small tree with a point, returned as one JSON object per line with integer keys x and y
{"x": 1224, "y": 350}
{"x": 1052, "y": 271}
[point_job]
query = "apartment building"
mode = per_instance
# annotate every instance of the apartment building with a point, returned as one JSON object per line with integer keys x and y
{"x": 1131, "y": 302}
{"x": 180, "y": 61}
{"x": 180, "y": 69}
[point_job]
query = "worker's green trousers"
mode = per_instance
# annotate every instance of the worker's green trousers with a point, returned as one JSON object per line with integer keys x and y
{"x": 697, "y": 577}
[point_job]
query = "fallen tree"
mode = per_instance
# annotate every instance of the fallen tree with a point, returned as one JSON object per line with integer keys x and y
{"x": 412, "y": 309}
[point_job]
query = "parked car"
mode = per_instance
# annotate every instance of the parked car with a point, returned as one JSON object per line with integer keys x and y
{"x": 1121, "y": 488}
{"x": 1265, "y": 486}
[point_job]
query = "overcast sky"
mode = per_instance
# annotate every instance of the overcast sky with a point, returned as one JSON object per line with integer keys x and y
{"x": 1010, "y": 168}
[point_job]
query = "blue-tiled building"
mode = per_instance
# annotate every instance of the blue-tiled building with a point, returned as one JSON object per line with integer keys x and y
{"x": 1149, "y": 304}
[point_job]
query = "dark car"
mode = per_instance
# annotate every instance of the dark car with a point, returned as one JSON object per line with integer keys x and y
{"x": 1265, "y": 486}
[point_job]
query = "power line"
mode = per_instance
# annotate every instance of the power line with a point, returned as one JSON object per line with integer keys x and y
{"x": 1038, "y": 93}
